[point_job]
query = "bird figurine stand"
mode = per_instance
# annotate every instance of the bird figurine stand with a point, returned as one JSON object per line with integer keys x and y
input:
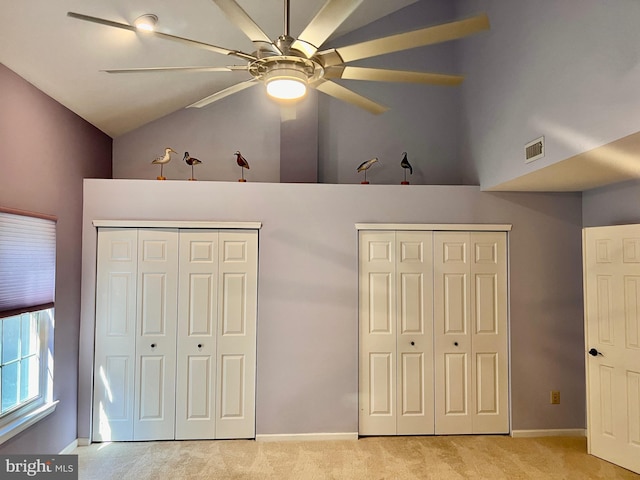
{"x": 242, "y": 163}
{"x": 404, "y": 163}
{"x": 363, "y": 167}
{"x": 189, "y": 160}
{"x": 166, "y": 158}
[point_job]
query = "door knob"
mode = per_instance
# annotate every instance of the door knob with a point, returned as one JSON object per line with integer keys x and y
{"x": 153, "y": 345}
{"x": 413, "y": 343}
{"x": 455, "y": 343}
{"x": 199, "y": 345}
{"x": 594, "y": 353}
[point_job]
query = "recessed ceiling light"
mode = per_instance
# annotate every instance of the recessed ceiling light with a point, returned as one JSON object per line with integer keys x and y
{"x": 146, "y": 22}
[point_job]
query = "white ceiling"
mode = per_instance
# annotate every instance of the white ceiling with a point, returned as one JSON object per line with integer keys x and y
{"x": 64, "y": 57}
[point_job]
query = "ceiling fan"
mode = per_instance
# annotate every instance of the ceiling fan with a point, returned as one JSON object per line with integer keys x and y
{"x": 287, "y": 65}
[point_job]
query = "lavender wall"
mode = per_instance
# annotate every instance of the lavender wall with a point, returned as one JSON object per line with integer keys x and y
{"x": 565, "y": 69}
{"x": 46, "y": 152}
{"x": 307, "y": 363}
{"x": 611, "y": 205}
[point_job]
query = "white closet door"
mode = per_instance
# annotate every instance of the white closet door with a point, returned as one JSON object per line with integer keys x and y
{"x": 414, "y": 326}
{"x": 196, "y": 344}
{"x": 156, "y": 337}
{"x": 470, "y": 330}
{"x": 237, "y": 310}
{"x": 116, "y": 281}
{"x": 378, "y": 371}
{"x": 396, "y": 333}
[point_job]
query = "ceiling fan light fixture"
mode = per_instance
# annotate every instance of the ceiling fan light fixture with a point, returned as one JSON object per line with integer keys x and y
{"x": 146, "y": 22}
{"x": 286, "y": 83}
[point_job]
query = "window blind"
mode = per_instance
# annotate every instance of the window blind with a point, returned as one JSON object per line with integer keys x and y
{"x": 27, "y": 261}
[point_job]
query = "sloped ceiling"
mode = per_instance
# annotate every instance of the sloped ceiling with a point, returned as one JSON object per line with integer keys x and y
{"x": 64, "y": 57}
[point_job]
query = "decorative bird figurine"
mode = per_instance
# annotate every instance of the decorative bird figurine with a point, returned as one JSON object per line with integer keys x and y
{"x": 191, "y": 162}
{"x": 364, "y": 166}
{"x": 404, "y": 163}
{"x": 166, "y": 158}
{"x": 242, "y": 162}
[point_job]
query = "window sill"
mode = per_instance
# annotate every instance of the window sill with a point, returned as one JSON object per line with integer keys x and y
{"x": 16, "y": 426}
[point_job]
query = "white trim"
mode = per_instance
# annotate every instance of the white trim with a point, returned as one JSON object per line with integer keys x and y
{"x": 568, "y": 432}
{"x": 22, "y": 423}
{"x": 306, "y": 437}
{"x": 84, "y": 442}
{"x": 176, "y": 224}
{"x": 449, "y": 227}
{"x": 70, "y": 448}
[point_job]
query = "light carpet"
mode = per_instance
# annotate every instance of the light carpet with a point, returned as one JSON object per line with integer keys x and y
{"x": 373, "y": 458}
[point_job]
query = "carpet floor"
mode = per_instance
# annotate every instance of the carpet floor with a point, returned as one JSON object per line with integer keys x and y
{"x": 373, "y": 458}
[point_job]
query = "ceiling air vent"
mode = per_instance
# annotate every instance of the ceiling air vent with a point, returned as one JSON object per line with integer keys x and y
{"x": 534, "y": 150}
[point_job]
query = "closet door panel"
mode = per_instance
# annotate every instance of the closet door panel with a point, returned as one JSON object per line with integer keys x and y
{"x": 196, "y": 344}
{"x": 378, "y": 322}
{"x": 236, "y": 334}
{"x": 156, "y": 334}
{"x": 414, "y": 339}
{"x": 114, "y": 377}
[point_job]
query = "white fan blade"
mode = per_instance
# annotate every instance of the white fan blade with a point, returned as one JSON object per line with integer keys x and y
{"x": 405, "y": 41}
{"x": 381, "y": 75}
{"x": 241, "y": 19}
{"x": 186, "y": 41}
{"x": 238, "y": 87}
{"x": 326, "y": 21}
{"x": 346, "y": 95}
{"x": 230, "y": 68}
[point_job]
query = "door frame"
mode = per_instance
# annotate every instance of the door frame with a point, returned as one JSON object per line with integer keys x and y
{"x": 447, "y": 227}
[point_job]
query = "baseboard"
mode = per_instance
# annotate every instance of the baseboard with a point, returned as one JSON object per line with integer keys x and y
{"x": 84, "y": 442}
{"x": 306, "y": 437}
{"x": 568, "y": 432}
{"x": 70, "y": 448}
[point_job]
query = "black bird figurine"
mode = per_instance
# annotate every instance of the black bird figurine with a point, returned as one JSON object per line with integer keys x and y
{"x": 166, "y": 158}
{"x": 242, "y": 162}
{"x": 191, "y": 162}
{"x": 404, "y": 163}
{"x": 364, "y": 166}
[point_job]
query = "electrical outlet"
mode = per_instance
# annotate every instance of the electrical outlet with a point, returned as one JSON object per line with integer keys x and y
{"x": 555, "y": 397}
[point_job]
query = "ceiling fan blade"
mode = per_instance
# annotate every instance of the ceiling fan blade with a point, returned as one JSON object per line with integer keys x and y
{"x": 406, "y": 41}
{"x": 326, "y": 21}
{"x": 230, "y": 68}
{"x": 186, "y": 41}
{"x": 241, "y": 19}
{"x": 238, "y": 87}
{"x": 380, "y": 75}
{"x": 346, "y": 95}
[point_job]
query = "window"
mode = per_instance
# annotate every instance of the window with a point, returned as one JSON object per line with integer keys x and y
{"x": 27, "y": 278}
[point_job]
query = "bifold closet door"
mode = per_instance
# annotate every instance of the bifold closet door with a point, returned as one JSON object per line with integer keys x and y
{"x": 470, "y": 331}
{"x": 155, "y": 375}
{"x": 396, "y": 356}
{"x": 115, "y": 346}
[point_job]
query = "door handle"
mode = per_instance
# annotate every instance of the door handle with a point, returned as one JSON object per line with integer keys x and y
{"x": 594, "y": 353}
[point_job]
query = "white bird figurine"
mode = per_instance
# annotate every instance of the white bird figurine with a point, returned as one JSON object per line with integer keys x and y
{"x": 191, "y": 162}
{"x": 364, "y": 166}
{"x": 404, "y": 163}
{"x": 166, "y": 158}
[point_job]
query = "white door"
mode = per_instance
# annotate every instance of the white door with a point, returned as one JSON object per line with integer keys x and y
{"x": 470, "y": 332}
{"x": 612, "y": 327}
{"x": 156, "y": 337}
{"x": 396, "y": 356}
{"x": 115, "y": 360}
{"x": 196, "y": 345}
{"x": 236, "y": 335}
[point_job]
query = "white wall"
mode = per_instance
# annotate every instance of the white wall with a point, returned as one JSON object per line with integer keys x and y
{"x": 565, "y": 69}
{"x": 307, "y": 372}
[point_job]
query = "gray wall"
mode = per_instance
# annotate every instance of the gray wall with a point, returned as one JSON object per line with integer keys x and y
{"x": 46, "y": 152}
{"x": 565, "y": 69}
{"x": 611, "y": 205}
{"x": 307, "y": 366}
